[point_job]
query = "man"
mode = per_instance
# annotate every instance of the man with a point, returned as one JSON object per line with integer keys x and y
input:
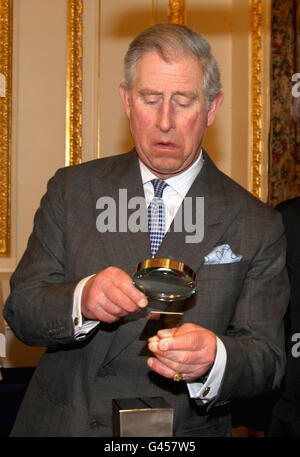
{"x": 286, "y": 413}
{"x": 73, "y": 290}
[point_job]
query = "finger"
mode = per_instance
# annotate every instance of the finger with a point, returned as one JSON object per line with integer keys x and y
{"x": 173, "y": 357}
{"x": 176, "y": 365}
{"x": 160, "y": 368}
{"x": 117, "y": 284}
{"x": 153, "y": 339}
{"x": 110, "y": 306}
{"x": 105, "y": 310}
{"x": 168, "y": 369}
{"x": 179, "y": 331}
{"x": 167, "y": 332}
{"x": 123, "y": 282}
{"x": 134, "y": 294}
{"x": 119, "y": 298}
{"x": 103, "y": 316}
{"x": 190, "y": 341}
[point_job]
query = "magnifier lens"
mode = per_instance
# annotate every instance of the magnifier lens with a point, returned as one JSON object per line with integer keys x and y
{"x": 165, "y": 283}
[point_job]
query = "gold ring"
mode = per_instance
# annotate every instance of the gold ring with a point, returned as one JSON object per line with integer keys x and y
{"x": 177, "y": 377}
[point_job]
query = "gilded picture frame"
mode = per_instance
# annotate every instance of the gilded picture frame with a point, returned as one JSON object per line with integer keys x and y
{"x": 176, "y": 11}
{"x": 256, "y": 97}
{"x": 74, "y": 82}
{"x": 6, "y": 15}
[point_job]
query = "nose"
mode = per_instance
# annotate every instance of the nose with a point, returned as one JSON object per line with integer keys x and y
{"x": 165, "y": 119}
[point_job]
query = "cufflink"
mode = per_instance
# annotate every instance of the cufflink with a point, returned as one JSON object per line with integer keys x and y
{"x": 205, "y": 391}
{"x": 76, "y": 321}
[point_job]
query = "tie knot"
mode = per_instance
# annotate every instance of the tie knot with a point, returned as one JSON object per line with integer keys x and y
{"x": 159, "y": 186}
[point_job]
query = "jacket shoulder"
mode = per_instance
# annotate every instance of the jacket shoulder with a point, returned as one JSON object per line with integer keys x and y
{"x": 250, "y": 205}
{"x": 93, "y": 167}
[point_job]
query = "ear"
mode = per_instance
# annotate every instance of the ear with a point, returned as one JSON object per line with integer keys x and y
{"x": 124, "y": 94}
{"x": 214, "y": 108}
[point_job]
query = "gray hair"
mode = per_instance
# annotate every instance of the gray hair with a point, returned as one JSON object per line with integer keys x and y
{"x": 169, "y": 40}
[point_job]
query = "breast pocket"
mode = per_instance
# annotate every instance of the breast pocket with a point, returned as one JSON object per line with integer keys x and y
{"x": 223, "y": 271}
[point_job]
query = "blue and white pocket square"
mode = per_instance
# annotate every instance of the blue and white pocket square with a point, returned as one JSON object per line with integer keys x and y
{"x": 221, "y": 254}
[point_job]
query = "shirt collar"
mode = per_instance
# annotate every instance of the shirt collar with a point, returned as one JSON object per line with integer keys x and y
{"x": 182, "y": 182}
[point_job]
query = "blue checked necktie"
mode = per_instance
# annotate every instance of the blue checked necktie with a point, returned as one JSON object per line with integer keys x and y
{"x": 156, "y": 215}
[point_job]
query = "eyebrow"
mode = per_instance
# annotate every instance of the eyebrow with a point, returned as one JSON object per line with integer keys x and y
{"x": 144, "y": 92}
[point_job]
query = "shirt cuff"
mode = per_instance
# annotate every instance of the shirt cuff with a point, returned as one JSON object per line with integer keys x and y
{"x": 81, "y": 326}
{"x": 209, "y": 390}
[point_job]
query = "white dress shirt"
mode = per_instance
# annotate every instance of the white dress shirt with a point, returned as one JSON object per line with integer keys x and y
{"x": 173, "y": 196}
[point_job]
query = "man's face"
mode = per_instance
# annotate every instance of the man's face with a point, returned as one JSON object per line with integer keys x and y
{"x": 167, "y": 111}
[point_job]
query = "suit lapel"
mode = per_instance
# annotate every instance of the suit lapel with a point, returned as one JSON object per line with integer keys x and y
{"x": 121, "y": 182}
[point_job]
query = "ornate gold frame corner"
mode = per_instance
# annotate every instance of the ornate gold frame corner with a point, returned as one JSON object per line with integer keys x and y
{"x": 6, "y": 25}
{"x": 74, "y": 82}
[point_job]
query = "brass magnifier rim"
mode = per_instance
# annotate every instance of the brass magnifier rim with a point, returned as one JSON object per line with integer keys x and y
{"x": 168, "y": 264}
{"x": 165, "y": 265}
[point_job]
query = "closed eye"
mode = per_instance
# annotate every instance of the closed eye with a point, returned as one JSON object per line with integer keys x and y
{"x": 183, "y": 100}
{"x": 151, "y": 99}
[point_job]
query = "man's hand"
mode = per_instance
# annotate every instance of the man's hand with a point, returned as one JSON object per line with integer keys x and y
{"x": 188, "y": 349}
{"x": 110, "y": 295}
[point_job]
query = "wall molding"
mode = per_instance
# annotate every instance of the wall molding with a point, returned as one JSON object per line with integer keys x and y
{"x": 176, "y": 11}
{"x": 74, "y": 82}
{"x": 256, "y": 137}
{"x": 6, "y": 15}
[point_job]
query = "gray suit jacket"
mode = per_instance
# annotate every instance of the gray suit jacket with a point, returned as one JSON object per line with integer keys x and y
{"x": 243, "y": 303}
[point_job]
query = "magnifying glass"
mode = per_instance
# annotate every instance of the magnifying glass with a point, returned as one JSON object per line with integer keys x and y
{"x": 165, "y": 280}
